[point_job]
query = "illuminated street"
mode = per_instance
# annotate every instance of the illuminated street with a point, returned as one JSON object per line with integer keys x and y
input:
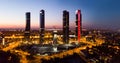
{"x": 59, "y": 31}
{"x": 11, "y": 47}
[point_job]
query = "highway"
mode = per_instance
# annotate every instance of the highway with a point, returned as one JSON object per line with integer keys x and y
{"x": 77, "y": 50}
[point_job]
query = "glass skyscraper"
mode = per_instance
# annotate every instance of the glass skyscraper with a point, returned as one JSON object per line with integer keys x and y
{"x": 27, "y": 28}
{"x": 78, "y": 24}
{"x": 65, "y": 26}
{"x": 42, "y": 25}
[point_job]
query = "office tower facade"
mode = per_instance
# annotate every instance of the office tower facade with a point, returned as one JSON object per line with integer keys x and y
{"x": 78, "y": 24}
{"x": 54, "y": 37}
{"x": 65, "y": 26}
{"x": 27, "y": 28}
{"x": 42, "y": 25}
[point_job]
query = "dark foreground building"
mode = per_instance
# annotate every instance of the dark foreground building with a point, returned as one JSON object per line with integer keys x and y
{"x": 42, "y": 25}
{"x": 65, "y": 26}
{"x": 27, "y": 28}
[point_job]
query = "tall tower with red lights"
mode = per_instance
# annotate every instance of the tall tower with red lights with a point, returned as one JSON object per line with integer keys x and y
{"x": 78, "y": 24}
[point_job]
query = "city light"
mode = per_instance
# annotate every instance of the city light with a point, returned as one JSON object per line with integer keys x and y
{"x": 70, "y": 42}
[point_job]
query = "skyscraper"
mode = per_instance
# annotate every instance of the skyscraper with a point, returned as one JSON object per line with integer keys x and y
{"x": 27, "y": 28}
{"x": 78, "y": 24}
{"x": 65, "y": 26}
{"x": 42, "y": 25}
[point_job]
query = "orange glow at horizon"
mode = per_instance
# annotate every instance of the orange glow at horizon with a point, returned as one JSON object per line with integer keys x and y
{"x": 37, "y": 26}
{"x": 11, "y": 26}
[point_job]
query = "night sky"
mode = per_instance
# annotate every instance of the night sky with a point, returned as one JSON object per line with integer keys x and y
{"x": 100, "y": 14}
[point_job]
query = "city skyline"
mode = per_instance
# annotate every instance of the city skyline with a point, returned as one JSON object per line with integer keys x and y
{"x": 96, "y": 14}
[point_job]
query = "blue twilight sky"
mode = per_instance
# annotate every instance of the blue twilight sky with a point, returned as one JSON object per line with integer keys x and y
{"x": 95, "y": 13}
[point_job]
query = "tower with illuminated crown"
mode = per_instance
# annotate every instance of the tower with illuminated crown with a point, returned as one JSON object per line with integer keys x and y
{"x": 42, "y": 25}
{"x": 78, "y": 24}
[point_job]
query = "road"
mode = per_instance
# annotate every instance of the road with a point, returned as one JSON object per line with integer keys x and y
{"x": 77, "y": 50}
